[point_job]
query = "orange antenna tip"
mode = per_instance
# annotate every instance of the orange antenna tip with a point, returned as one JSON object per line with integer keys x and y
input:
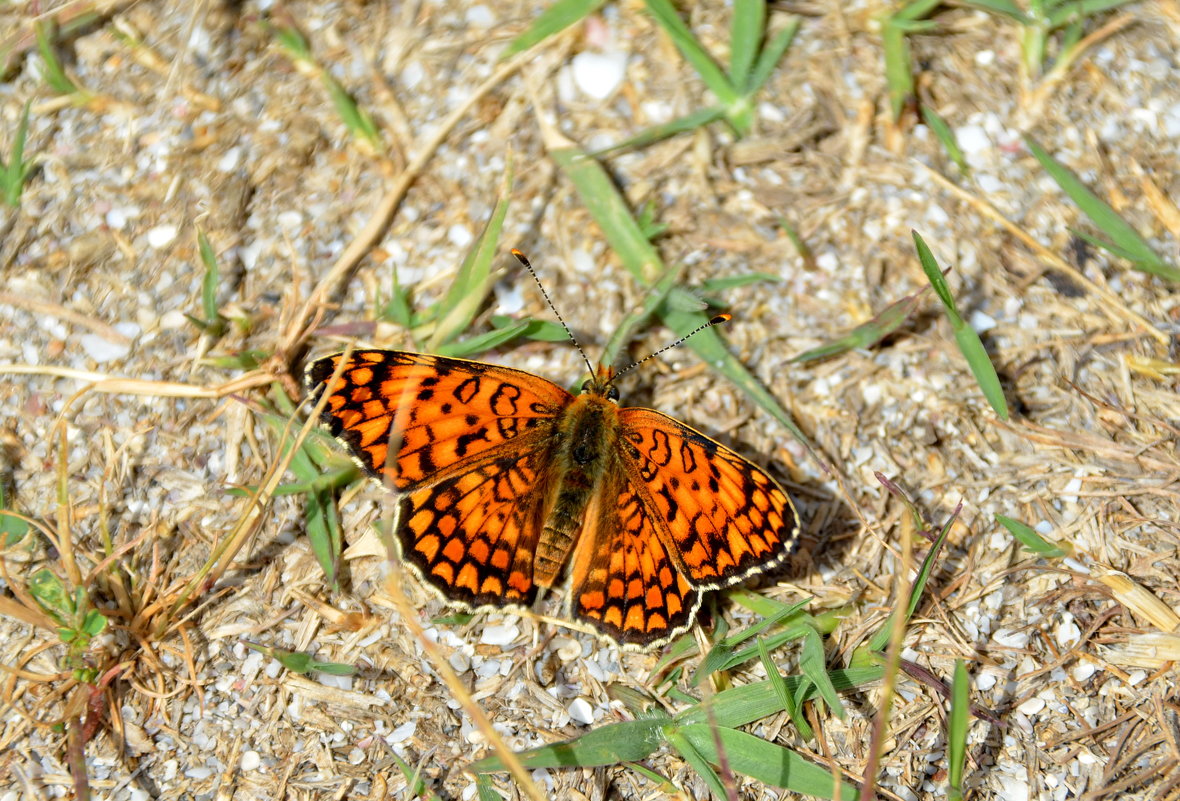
{"x": 721, "y": 318}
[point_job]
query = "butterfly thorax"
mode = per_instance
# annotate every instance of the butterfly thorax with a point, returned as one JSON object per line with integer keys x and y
{"x": 587, "y": 435}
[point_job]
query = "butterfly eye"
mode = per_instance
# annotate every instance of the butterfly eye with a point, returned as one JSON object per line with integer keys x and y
{"x": 589, "y": 382}
{"x": 612, "y": 393}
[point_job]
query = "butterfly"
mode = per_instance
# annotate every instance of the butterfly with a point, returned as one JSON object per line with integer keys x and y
{"x": 505, "y": 482}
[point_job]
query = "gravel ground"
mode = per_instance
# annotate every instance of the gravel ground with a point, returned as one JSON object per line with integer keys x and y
{"x": 113, "y": 401}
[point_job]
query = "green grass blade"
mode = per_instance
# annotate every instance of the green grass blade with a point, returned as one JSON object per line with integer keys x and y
{"x": 480, "y": 343}
{"x": 734, "y": 281}
{"x": 628, "y": 741}
{"x": 1120, "y": 232}
{"x": 714, "y": 77}
{"x": 474, "y": 280}
{"x": 747, "y": 27}
{"x": 55, "y": 74}
{"x": 813, "y": 665}
{"x": 658, "y": 133}
{"x": 1004, "y": 8}
{"x": 739, "y": 706}
{"x": 609, "y": 209}
{"x": 17, "y": 169}
{"x": 771, "y": 55}
{"x": 898, "y": 75}
{"x": 968, "y": 340}
{"x": 698, "y": 761}
{"x": 956, "y": 737}
{"x": 868, "y": 333}
{"x": 553, "y": 20}
{"x": 881, "y": 638}
{"x": 946, "y": 137}
{"x": 1030, "y": 539}
{"x": 1075, "y": 12}
{"x": 357, "y": 120}
{"x": 764, "y": 761}
{"x": 783, "y": 691}
{"x": 485, "y": 790}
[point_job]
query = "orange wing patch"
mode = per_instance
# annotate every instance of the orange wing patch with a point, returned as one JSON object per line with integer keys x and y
{"x": 472, "y": 535}
{"x": 722, "y": 518}
{"x": 624, "y": 582}
{"x": 438, "y": 414}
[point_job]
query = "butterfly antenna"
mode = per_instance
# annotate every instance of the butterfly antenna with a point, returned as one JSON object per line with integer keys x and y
{"x": 520, "y": 257}
{"x": 720, "y": 318}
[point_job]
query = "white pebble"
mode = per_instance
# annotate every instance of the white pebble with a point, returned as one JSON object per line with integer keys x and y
{"x": 289, "y": 220}
{"x": 1011, "y": 639}
{"x": 1013, "y": 788}
{"x": 982, "y": 322}
{"x": 103, "y": 351}
{"x": 1032, "y": 706}
{"x": 973, "y": 139}
{"x": 173, "y": 320}
{"x": 161, "y": 236}
{"x": 1067, "y": 633}
{"x": 1083, "y": 671}
{"x": 479, "y": 17}
{"x": 581, "y": 711}
{"x": 460, "y": 662}
{"x": 598, "y": 75}
{"x": 402, "y": 733}
{"x": 499, "y": 634}
{"x": 985, "y": 57}
{"x": 985, "y": 681}
{"x": 459, "y": 235}
{"x": 251, "y": 760}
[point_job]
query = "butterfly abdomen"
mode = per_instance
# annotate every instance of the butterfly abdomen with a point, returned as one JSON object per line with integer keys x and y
{"x": 586, "y": 435}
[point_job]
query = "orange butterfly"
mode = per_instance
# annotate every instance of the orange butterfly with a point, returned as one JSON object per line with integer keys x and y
{"x": 503, "y": 477}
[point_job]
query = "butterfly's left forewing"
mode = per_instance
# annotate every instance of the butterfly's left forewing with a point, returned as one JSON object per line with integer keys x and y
{"x": 412, "y": 419}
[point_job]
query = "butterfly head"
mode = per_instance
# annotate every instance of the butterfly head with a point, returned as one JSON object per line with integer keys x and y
{"x": 602, "y": 384}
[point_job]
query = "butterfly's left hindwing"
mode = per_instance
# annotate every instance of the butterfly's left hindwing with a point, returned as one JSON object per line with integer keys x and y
{"x": 624, "y": 583}
{"x": 439, "y": 415}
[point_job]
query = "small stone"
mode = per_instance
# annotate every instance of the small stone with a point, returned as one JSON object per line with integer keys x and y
{"x": 598, "y": 75}
{"x": 499, "y": 634}
{"x": 251, "y": 760}
{"x": 982, "y": 322}
{"x": 580, "y": 711}
{"x": 1032, "y": 706}
{"x": 161, "y": 236}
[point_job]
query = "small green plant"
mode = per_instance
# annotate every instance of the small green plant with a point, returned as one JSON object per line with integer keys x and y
{"x": 752, "y": 60}
{"x": 15, "y": 171}
{"x": 357, "y": 120}
{"x": 55, "y": 74}
{"x": 1043, "y": 22}
{"x": 300, "y": 662}
{"x": 681, "y": 309}
{"x": 213, "y": 325}
{"x": 77, "y": 620}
